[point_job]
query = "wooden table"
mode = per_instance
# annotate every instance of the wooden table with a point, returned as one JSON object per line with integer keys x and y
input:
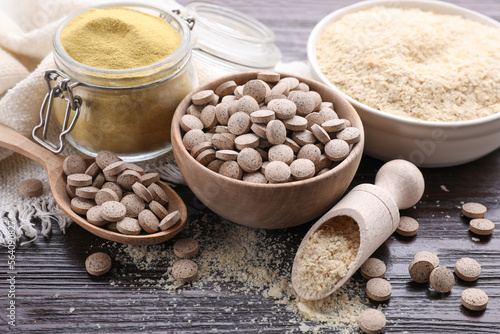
{"x": 55, "y": 294}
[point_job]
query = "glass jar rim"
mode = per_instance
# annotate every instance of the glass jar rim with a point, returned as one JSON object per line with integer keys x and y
{"x": 181, "y": 51}
{"x": 200, "y": 9}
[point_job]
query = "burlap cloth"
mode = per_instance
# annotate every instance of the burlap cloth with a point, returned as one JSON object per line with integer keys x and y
{"x": 26, "y": 29}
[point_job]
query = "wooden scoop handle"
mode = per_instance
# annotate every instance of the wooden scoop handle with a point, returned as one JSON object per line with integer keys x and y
{"x": 16, "y": 142}
{"x": 403, "y": 181}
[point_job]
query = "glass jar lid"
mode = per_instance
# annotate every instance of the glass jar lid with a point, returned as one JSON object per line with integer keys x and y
{"x": 224, "y": 34}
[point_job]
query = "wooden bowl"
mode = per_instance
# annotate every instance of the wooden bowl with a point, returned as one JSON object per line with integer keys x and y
{"x": 269, "y": 206}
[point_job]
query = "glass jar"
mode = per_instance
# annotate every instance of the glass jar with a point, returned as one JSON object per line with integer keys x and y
{"x": 230, "y": 40}
{"x": 227, "y": 41}
{"x": 129, "y": 111}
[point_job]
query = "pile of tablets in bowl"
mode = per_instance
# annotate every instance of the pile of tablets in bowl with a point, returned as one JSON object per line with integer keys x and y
{"x": 269, "y": 130}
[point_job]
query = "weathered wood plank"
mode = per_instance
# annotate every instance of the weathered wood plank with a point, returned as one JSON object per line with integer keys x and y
{"x": 52, "y": 279}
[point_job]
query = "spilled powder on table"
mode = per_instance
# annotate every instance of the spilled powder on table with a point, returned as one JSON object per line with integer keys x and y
{"x": 246, "y": 261}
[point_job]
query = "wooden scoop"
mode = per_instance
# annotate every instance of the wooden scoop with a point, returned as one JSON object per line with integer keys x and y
{"x": 57, "y": 179}
{"x": 375, "y": 208}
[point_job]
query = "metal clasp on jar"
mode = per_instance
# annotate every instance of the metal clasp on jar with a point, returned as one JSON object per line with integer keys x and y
{"x": 63, "y": 89}
{"x": 189, "y": 20}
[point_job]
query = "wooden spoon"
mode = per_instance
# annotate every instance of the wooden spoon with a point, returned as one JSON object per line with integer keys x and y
{"x": 12, "y": 140}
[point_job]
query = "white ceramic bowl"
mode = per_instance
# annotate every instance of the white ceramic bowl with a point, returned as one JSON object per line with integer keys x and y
{"x": 425, "y": 143}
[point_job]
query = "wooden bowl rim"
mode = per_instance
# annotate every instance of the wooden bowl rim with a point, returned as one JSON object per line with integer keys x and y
{"x": 182, "y": 107}
{"x": 140, "y": 239}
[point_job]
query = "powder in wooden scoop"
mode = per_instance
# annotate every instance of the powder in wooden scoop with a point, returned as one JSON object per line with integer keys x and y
{"x": 119, "y": 38}
{"x": 327, "y": 256}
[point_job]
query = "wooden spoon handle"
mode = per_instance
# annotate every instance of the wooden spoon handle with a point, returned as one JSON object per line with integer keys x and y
{"x": 16, "y": 142}
{"x": 403, "y": 181}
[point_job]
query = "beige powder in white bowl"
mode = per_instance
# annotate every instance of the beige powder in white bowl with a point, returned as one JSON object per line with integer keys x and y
{"x": 437, "y": 82}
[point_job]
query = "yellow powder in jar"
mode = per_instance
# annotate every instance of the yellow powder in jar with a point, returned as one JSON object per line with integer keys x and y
{"x": 119, "y": 38}
{"x": 134, "y": 123}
